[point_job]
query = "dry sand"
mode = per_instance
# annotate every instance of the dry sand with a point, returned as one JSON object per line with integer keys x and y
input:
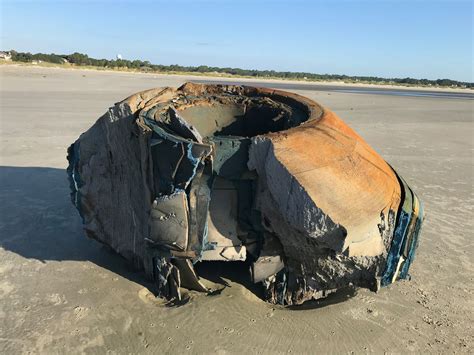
{"x": 230, "y": 78}
{"x": 63, "y": 293}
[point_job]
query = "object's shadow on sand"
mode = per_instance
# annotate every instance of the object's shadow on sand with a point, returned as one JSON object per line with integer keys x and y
{"x": 38, "y": 221}
{"x": 237, "y": 271}
{"x": 341, "y": 295}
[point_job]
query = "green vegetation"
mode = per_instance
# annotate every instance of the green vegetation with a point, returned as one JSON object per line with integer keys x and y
{"x": 79, "y": 59}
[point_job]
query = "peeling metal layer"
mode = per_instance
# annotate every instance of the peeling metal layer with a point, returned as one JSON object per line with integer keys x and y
{"x": 405, "y": 239}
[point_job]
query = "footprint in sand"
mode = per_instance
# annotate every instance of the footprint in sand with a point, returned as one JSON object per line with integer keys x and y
{"x": 81, "y": 312}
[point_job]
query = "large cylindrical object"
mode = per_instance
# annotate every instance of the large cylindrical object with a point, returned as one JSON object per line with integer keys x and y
{"x": 171, "y": 177}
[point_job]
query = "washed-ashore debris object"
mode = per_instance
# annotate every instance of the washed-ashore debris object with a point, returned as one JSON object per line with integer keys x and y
{"x": 172, "y": 177}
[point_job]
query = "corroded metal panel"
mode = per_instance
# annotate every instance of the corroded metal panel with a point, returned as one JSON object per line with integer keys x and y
{"x": 173, "y": 176}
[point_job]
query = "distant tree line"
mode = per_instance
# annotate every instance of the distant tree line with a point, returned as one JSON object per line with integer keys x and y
{"x": 146, "y": 66}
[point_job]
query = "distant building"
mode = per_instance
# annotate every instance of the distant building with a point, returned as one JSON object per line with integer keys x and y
{"x": 5, "y": 55}
{"x": 119, "y": 57}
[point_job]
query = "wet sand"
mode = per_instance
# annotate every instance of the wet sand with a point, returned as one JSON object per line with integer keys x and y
{"x": 63, "y": 293}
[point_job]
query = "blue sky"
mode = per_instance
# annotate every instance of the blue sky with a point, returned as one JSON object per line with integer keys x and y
{"x": 421, "y": 39}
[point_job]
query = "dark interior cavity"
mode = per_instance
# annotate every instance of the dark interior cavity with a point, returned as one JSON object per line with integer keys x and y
{"x": 247, "y": 119}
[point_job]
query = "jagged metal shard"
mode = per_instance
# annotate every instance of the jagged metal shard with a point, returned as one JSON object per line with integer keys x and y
{"x": 170, "y": 177}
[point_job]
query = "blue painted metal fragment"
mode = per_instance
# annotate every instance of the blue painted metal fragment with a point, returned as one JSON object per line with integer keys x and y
{"x": 405, "y": 238}
{"x": 75, "y": 181}
{"x": 414, "y": 242}
{"x": 176, "y": 159}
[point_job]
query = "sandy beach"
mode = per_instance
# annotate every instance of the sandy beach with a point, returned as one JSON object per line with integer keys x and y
{"x": 63, "y": 293}
{"x": 221, "y": 77}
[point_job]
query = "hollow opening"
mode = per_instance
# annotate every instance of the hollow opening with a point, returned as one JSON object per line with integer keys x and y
{"x": 200, "y": 149}
{"x": 249, "y": 118}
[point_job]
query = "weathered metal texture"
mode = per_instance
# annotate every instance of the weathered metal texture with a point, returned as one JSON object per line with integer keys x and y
{"x": 405, "y": 238}
{"x": 170, "y": 177}
{"x": 339, "y": 194}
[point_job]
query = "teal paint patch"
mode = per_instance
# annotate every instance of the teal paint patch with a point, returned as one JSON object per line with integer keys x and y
{"x": 199, "y": 199}
{"x": 403, "y": 234}
{"x": 414, "y": 243}
{"x": 175, "y": 159}
{"x": 394, "y": 254}
{"x": 231, "y": 156}
{"x": 74, "y": 177}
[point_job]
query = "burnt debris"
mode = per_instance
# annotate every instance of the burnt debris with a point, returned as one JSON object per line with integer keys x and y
{"x": 172, "y": 177}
